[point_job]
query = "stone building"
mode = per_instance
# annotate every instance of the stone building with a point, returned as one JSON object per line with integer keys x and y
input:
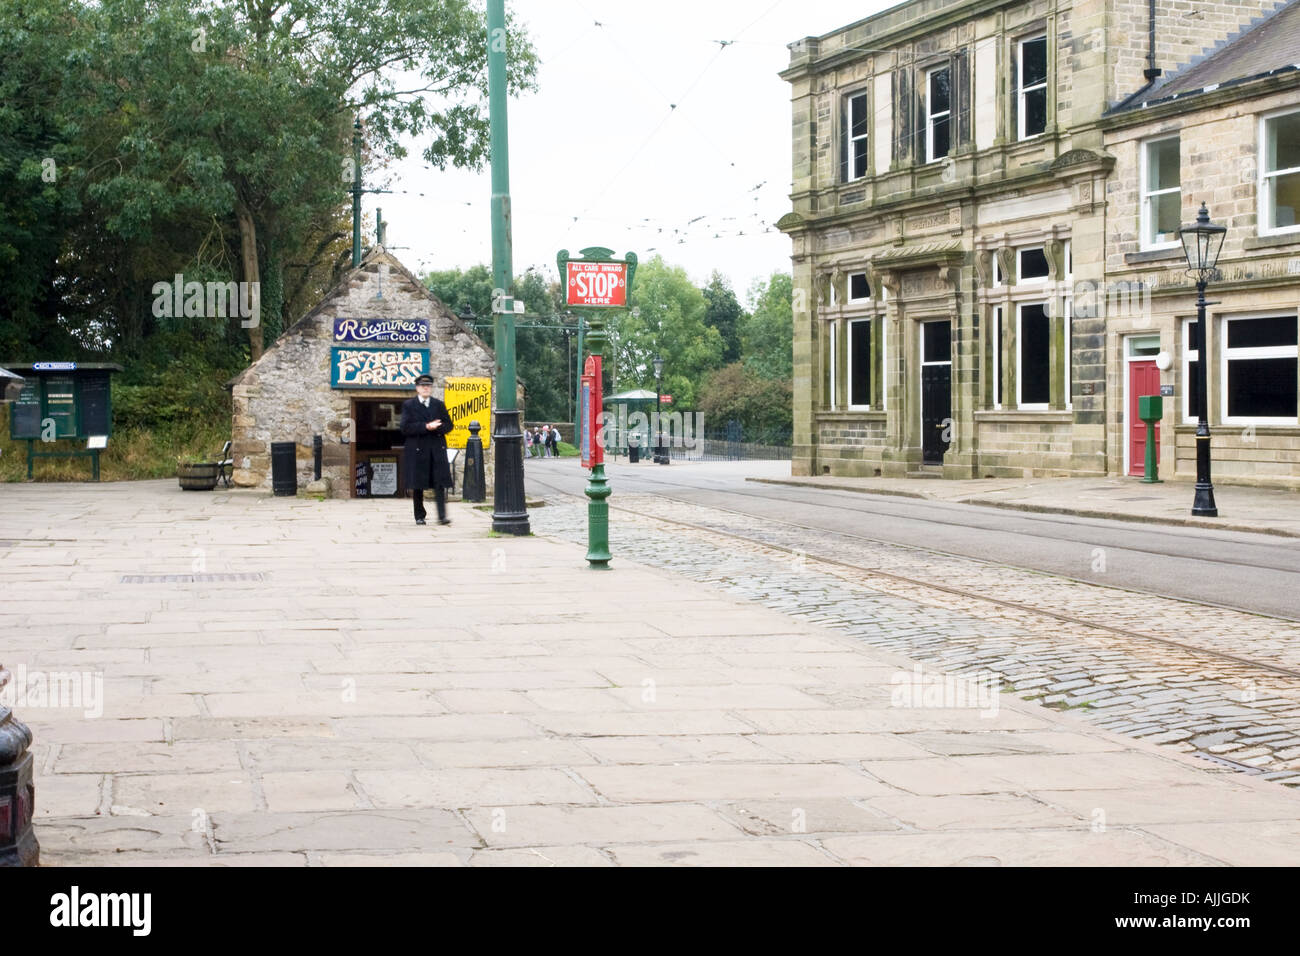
{"x": 1226, "y": 132}
{"x": 343, "y": 371}
{"x": 949, "y": 199}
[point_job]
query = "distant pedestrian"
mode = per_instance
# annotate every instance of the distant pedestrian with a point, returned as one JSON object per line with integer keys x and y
{"x": 546, "y": 441}
{"x": 554, "y": 439}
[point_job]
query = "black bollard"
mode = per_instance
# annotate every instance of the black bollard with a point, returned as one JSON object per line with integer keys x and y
{"x": 317, "y": 450}
{"x": 18, "y": 846}
{"x": 474, "y": 484}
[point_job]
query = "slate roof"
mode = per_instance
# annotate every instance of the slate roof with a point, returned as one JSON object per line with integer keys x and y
{"x": 1269, "y": 46}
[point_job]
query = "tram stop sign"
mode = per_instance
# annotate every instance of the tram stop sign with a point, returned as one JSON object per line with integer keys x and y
{"x": 598, "y": 284}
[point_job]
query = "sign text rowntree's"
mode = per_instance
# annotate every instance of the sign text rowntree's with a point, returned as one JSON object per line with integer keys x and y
{"x": 596, "y": 284}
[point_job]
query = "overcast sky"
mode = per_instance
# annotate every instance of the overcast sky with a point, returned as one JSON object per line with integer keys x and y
{"x": 601, "y": 143}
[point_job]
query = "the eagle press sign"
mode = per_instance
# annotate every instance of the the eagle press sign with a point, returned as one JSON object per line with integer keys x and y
{"x": 469, "y": 400}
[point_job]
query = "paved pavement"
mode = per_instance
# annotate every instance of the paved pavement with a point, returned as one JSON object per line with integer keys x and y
{"x": 366, "y": 691}
{"x": 1241, "y": 508}
{"x": 1218, "y": 682}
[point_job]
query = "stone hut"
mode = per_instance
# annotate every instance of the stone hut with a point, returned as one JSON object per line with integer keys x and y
{"x": 342, "y": 372}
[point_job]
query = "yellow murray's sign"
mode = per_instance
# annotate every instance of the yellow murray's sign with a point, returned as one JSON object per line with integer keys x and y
{"x": 469, "y": 400}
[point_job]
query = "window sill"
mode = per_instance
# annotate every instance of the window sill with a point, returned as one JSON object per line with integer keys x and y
{"x": 850, "y": 415}
{"x": 1155, "y": 255}
{"x": 1189, "y": 428}
{"x": 1052, "y": 416}
{"x": 1271, "y": 241}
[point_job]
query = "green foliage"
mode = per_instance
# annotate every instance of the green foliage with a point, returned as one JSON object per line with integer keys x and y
{"x": 767, "y": 334}
{"x": 724, "y": 314}
{"x": 762, "y": 406}
{"x": 669, "y": 322}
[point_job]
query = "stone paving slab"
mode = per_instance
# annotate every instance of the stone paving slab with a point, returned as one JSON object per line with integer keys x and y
{"x": 651, "y": 720}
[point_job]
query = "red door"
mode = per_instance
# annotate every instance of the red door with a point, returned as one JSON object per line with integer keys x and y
{"x": 1143, "y": 379}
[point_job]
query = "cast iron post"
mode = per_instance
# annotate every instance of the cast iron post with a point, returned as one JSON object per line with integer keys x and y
{"x": 471, "y": 488}
{"x": 510, "y": 514}
{"x": 598, "y": 490}
{"x": 1203, "y": 504}
{"x": 356, "y": 193}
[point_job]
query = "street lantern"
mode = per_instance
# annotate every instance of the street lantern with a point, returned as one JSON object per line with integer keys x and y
{"x": 1202, "y": 242}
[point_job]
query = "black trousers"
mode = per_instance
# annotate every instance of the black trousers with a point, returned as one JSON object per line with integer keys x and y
{"x": 439, "y": 500}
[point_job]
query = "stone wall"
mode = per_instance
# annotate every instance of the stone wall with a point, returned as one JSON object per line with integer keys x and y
{"x": 286, "y": 394}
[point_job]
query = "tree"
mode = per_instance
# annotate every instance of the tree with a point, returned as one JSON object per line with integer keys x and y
{"x": 725, "y": 314}
{"x": 668, "y": 320}
{"x": 212, "y": 140}
{"x": 763, "y": 407}
{"x": 767, "y": 334}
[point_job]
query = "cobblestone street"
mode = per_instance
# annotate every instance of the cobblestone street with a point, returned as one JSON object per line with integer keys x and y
{"x": 1239, "y": 715}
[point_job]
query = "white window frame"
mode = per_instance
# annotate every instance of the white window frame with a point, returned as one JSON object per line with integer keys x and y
{"x": 834, "y": 327}
{"x": 848, "y": 288}
{"x": 846, "y": 126}
{"x": 848, "y": 365}
{"x": 1037, "y": 280}
{"x": 1261, "y": 352}
{"x": 1067, "y": 330}
{"x": 1190, "y": 355}
{"x": 930, "y": 117}
{"x": 997, "y": 355}
{"x": 1264, "y": 188}
{"x": 1147, "y": 223}
{"x": 1020, "y": 378}
{"x": 1020, "y": 66}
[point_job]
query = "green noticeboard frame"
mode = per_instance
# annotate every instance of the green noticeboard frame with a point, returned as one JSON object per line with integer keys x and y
{"x": 75, "y": 404}
{"x": 62, "y": 401}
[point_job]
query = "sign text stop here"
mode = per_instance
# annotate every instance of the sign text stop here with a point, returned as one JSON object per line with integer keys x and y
{"x": 597, "y": 283}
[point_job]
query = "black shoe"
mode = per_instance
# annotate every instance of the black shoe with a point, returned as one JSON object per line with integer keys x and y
{"x": 444, "y": 521}
{"x": 419, "y": 521}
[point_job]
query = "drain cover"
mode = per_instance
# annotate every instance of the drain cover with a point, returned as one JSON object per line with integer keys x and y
{"x": 189, "y": 578}
{"x": 1230, "y": 764}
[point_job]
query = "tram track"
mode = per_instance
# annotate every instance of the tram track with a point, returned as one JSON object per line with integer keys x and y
{"x": 930, "y": 585}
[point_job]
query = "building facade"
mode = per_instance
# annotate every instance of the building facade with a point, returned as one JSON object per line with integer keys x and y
{"x": 950, "y": 229}
{"x": 1225, "y": 132}
{"x": 342, "y": 372}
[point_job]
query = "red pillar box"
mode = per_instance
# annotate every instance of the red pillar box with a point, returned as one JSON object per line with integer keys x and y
{"x": 593, "y": 445}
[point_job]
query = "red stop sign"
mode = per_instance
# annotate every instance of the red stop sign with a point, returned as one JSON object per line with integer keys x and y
{"x": 596, "y": 284}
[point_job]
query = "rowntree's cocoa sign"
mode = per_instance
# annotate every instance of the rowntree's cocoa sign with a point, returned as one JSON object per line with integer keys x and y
{"x": 381, "y": 330}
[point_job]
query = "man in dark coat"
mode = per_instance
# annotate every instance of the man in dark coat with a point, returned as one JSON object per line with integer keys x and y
{"x": 425, "y": 422}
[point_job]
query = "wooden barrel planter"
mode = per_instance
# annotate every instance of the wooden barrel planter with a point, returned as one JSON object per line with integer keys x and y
{"x": 200, "y": 476}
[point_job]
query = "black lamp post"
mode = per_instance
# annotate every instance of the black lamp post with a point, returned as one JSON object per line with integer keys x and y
{"x": 660, "y": 457}
{"x": 1202, "y": 242}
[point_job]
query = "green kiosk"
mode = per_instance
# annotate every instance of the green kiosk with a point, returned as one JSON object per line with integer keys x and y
{"x": 62, "y": 401}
